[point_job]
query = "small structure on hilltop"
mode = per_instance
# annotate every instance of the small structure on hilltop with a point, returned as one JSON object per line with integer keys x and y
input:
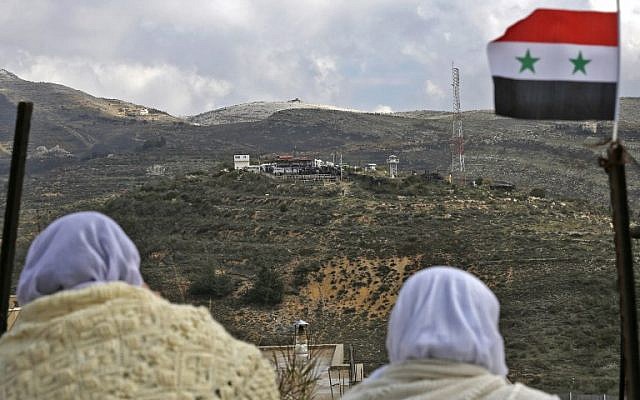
{"x": 295, "y": 166}
{"x": 56, "y": 151}
{"x": 287, "y": 165}
{"x": 290, "y": 167}
{"x": 240, "y": 161}
{"x": 156, "y": 170}
{"x": 371, "y": 167}
{"x": 393, "y": 166}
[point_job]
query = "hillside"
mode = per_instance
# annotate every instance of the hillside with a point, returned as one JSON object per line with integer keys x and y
{"x": 559, "y": 157}
{"x": 343, "y": 251}
{"x": 253, "y": 112}
{"x": 70, "y": 118}
{"x": 205, "y": 237}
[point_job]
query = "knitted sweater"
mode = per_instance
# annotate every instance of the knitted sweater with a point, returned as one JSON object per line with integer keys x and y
{"x": 441, "y": 380}
{"x": 116, "y": 341}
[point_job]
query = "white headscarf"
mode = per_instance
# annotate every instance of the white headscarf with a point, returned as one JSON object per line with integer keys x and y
{"x": 446, "y": 313}
{"x": 76, "y": 251}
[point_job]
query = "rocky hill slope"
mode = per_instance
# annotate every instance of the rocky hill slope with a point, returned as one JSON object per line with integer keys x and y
{"x": 341, "y": 252}
{"x": 253, "y": 112}
{"x": 560, "y": 157}
{"x": 71, "y": 119}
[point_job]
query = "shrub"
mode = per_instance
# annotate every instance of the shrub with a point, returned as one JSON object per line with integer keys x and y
{"x": 268, "y": 287}
{"x": 212, "y": 284}
{"x": 537, "y": 192}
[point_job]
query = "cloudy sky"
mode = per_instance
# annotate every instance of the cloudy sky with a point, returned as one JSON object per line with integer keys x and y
{"x": 187, "y": 57}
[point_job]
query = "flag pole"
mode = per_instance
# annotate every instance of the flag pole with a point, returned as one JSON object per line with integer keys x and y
{"x": 624, "y": 263}
{"x": 614, "y": 165}
{"x": 629, "y": 354}
{"x": 614, "y": 135}
{"x": 12, "y": 211}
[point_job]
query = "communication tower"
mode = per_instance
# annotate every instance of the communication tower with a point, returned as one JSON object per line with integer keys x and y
{"x": 393, "y": 166}
{"x": 457, "y": 138}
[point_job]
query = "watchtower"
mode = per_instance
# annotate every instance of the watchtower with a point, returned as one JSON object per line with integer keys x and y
{"x": 393, "y": 166}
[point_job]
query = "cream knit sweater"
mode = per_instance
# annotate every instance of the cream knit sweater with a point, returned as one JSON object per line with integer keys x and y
{"x": 441, "y": 380}
{"x": 116, "y": 341}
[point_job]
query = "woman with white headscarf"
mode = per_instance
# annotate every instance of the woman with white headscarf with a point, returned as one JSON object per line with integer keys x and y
{"x": 90, "y": 329}
{"x": 443, "y": 342}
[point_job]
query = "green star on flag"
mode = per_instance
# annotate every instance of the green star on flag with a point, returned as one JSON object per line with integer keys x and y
{"x": 579, "y": 63}
{"x": 527, "y": 62}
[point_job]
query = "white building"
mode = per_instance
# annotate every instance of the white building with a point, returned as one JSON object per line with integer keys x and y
{"x": 371, "y": 167}
{"x": 240, "y": 161}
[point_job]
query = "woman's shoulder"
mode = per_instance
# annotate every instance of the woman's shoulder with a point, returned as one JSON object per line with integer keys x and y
{"x": 132, "y": 326}
{"x": 519, "y": 391}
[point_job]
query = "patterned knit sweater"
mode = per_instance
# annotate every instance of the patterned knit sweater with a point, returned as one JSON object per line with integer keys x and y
{"x": 116, "y": 341}
{"x": 441, "y": 380}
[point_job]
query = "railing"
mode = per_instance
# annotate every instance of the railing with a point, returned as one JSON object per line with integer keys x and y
{"x": 313, "y": 177}
{"x": 577, "y": 396}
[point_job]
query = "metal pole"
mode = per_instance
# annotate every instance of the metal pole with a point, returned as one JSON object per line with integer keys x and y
{"x": 624, "y": 263}
{"x": 614, "y": 136}
{"x": 12, "y": 211}
{"x": 614, "y": 140}
{"x": 621, "y": 383}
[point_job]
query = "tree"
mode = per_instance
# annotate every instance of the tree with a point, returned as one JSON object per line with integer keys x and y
{"x": 212, "y": 284}
{"x": 268, "y": 287}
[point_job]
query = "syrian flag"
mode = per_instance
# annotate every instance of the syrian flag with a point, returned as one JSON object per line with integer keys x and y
{"x": 557, "y": 64}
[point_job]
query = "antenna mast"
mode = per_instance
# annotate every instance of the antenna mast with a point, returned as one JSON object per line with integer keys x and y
{"x": 457, "y": 138}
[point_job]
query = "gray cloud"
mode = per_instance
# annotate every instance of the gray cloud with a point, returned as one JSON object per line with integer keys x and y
{"x": 187, "y": 58}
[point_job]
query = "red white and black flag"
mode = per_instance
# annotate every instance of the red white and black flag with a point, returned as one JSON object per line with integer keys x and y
{"x": 557, "y": 64}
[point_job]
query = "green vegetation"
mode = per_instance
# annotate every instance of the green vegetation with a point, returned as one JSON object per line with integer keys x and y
{"x": 336, "y": 255}
{"x": 212, "y": 284}
{"x": 342, "y": 251}
{"x": 268, "y": 287}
